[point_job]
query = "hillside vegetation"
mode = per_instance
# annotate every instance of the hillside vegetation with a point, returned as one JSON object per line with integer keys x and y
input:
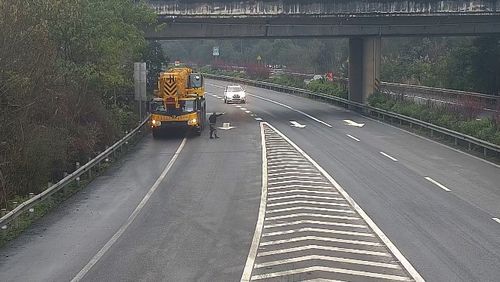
{"x": 66, "y": 85}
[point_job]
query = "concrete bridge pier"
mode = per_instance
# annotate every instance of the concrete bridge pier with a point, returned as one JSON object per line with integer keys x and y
{"x": 364, "y": 67}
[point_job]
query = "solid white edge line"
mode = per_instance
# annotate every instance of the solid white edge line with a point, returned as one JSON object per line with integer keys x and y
{"x": 435, "y": 142}
{"x": 437, "y": 184}
{"x": 386, "y": 155}
{"x": 395, "y": 251}
{"x": 131, "y": 218}
{"x": 247, "y": 271}
{"x": 281, "y": 104}
{"x": 353, "y": 138}
{"x": 496, "y": 219}
{"x": 413, "y": 134}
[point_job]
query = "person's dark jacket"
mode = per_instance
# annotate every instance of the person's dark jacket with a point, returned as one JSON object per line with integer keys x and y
{"x": 212, "y": 119}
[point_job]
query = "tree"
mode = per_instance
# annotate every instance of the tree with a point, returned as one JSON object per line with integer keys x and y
{"x": 155, "y": 60}
{"x": 485, "y": 64}
{"x": 62, "y": 65}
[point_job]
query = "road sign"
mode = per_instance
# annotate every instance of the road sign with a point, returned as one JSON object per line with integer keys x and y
{"x": 215, "y": 51}
{"x": 177, "y": 63}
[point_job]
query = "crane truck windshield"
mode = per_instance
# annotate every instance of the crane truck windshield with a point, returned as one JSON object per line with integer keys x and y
{"x": 186, "y": 106}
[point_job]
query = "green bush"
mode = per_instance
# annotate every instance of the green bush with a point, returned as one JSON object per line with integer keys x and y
{"x": 447, "y": 120}
{"x": 329, "y": 88}
{"x": 287, "y": 81}
{"x": 484, "y": 129}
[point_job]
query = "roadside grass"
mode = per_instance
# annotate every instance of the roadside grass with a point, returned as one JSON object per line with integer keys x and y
{"x": 24, "y": 221}
{"x": 457, "y": 118}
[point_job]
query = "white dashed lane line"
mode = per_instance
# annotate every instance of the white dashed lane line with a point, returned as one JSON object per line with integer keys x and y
{"x": 238, "y": 106}
{"x": 353, "y": 138}
{"x": 386, "y": 155}
{"x": 291, "y": 108}
{"x": 496, "y": 219}
{"x": 437, "y": 184}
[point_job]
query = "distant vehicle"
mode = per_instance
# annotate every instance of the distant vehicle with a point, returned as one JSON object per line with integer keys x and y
{"x": 315, "y": 77}
{"x": 318, "y": 77}
{"x": 234, "y": 94}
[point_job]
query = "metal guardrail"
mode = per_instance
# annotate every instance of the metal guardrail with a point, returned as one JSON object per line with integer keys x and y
{"x": 451, "y": 95}
{"x": 29, "y": 204}
{"x": 366, "y": 109}
{"x": 489, "y": 102}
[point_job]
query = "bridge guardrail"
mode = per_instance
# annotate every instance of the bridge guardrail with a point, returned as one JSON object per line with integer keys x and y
{"x": 366, "y": 109}
{"x": 30, "y": 203}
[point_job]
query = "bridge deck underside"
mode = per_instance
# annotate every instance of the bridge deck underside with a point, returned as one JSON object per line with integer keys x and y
{"x": 322, "y": 26}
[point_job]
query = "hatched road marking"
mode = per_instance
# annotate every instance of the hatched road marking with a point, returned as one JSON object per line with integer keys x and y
{"x": 331, "y": 270}
{"x": 316, "y": 257}
{"x": 310, "y": 229}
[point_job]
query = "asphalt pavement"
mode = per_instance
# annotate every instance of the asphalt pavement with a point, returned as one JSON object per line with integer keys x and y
{"x": 398, "y": 179}
{"x": 159, "y": 215}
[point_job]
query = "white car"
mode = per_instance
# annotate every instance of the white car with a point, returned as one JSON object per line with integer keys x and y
{"x": 234, "y": 94}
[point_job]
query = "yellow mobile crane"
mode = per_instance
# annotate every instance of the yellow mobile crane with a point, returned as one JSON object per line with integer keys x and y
{"x": 179, "y": 102}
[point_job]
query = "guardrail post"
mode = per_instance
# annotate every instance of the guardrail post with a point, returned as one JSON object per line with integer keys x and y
{"x": 98, "y": 165}
{"x": 456, "y": 141}
{"x": 90, "y": 170}
{"x": 485, "y": 152}
{"x": 126, "y": 142}
{"x": 77, "y": 166}
{"x": 16, "y": 220}
{"x": 32, "y": 209}
{"x": 3, "y": 227}
{"x": 470, "y": 146}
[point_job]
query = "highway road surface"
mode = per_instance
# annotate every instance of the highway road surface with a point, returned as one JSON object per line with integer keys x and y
{"x": 295, "y": 190}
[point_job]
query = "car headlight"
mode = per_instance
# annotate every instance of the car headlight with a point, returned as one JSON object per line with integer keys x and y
{"x": 156, "y": 122}
{"x": 192, "y": 121}
{"x": 242, "y": 94}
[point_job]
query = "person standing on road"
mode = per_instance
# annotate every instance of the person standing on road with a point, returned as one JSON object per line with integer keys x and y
{"x": 212, "y": 119}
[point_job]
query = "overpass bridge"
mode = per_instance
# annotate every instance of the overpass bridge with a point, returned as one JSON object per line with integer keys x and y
{"x": 363, "y": 21}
